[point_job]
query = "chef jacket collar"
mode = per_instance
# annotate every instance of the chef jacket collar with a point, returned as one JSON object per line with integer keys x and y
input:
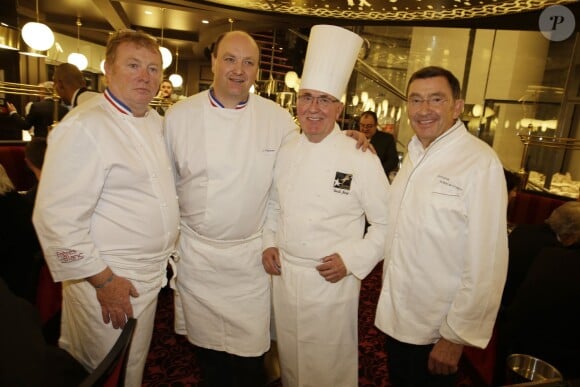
{"x": 117, "y": 104}
{"x": 216, "y": 103}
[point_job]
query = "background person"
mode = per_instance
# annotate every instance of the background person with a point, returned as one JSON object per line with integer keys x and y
{"x": 383, "y": 142}
{"x": 106, "y": 210}
{"x": 40, "y": 116}
{"x": 446, "y": 255}
{"x": 71, "y": 86}
{"x": 20, "y": 251}
{"x": 323, "y": 188}
{"x": 541, "y": 317}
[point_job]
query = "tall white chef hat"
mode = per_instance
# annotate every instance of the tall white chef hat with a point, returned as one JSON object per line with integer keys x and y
{"x": 330, "y": 59}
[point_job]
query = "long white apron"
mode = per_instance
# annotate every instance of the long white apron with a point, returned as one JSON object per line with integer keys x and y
{"x": 316, "y": 326}
{"x": 88, "y": 339}
{"x": 225, "y": 293}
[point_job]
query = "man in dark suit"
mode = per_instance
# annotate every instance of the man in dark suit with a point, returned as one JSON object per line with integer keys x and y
{"x": 41, "y": 116}
{"x": 384, "y": 143}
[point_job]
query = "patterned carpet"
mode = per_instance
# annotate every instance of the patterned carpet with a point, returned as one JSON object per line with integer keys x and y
{"x": 171, "y": 360}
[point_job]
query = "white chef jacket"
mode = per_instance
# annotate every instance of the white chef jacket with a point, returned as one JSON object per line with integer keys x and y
{"x": 320, "y": 196}
{"x": 106, "y": 198}
{"x": 446, "y": 254}
{"x": 224, "y": 163}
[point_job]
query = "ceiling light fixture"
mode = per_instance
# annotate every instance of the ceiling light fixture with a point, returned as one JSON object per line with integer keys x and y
{"x": 166, "y": 57}
{"x": 176, "y": 79}
{"x": 77, "y": 58}
{"x": 37, "y": 35}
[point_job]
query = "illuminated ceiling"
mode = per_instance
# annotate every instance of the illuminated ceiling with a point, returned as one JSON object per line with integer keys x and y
{"x": 191, "y": 26}
{"x": 394, "y": 10}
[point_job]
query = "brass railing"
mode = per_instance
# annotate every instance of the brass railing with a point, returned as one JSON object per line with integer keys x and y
{"x": 32, "y": 91}
{"x": 546, "y": 142}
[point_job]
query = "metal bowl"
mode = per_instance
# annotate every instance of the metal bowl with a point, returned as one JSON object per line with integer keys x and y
{"x": 525, "y": 368}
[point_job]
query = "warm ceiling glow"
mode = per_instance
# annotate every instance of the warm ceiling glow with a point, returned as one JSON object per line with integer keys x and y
{"x": 176, "y": 80}
{"x": 205, "y": 21}
{"x": 38, "y": 36}
{"x": 78, "y": 60}
{"x": 166, "y": 57}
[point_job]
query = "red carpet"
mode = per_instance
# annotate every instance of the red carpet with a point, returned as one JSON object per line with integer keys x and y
{"x": 171, "y": 360}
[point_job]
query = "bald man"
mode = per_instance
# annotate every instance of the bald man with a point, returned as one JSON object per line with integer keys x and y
{"x": 70, "y": 84}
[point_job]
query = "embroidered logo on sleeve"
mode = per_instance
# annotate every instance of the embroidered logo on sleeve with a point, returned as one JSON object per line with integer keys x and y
{"x": 342, "y": 182}
{"x": 67, "y": 255}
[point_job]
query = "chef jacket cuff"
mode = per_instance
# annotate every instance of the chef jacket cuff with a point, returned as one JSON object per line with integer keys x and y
{"x": 268, "y": 240}
{"x": 449, "y": 334}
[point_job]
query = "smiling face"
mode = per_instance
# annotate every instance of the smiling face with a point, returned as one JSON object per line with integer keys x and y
{"x": 317, "y": 113}
{"x": 134, "y": 76}
{"x": 235, "y": 68}
{"x": 430, "y": 120}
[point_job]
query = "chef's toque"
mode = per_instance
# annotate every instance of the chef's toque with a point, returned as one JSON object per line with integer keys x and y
{"x": 330, "y": 59}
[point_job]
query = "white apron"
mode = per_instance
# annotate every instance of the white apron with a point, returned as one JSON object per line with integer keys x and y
{"x": 88, "y": 339}
{"x": 307, "y": 343}
{"x": 225, "y": 294}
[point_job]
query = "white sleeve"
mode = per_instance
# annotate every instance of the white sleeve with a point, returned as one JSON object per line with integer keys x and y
{"x": 72, "y": 177}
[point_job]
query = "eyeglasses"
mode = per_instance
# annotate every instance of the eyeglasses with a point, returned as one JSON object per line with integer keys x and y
{"x": 367, "y": 126}
{"x": 322, "y": 101}
{"x": 434, "y": 101}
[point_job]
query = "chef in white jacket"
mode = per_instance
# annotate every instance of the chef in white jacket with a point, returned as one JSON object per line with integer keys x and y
{"x": 313, "y": 238}
{"x": 446, "y": 251}
{"x": 106, "y": 210}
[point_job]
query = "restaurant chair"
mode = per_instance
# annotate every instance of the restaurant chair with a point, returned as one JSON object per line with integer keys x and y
{"x": 111, "y": 371}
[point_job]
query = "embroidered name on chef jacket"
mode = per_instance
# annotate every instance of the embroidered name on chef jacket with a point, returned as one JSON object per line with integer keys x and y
{"x": 342, "y": 182}
{"x": 67, "y": 255}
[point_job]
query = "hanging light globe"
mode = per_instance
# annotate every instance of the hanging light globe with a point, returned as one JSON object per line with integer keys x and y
{"x": 78, "y": 60}
{"x": 290, "y": 79}
{"x": 176, "y": 80}
{"x": 38, "y": 36}
{"x": 166, "y": 57}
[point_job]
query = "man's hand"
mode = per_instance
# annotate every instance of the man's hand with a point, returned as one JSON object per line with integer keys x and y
{"x": 332, "y": 268}
{"x": 11, "y": 107}
{"x": 114, "y": 294}
{"x": 271, "y": 261}
{"x": 361, "y": 140}
{"x": 444, "y": 357}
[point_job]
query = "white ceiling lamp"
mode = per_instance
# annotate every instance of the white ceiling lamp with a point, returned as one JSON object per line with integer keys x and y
{"x": 176, "y": 79}
{"x": 102, "y": 66}
{"x": 291, "y": 79}
{"x": 76, "y": 58}
{"x": 166, "y": 57}
{"x": 37, "y": 35}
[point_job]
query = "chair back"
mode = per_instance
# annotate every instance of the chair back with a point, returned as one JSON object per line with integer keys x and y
{"x": 111, "y": 371}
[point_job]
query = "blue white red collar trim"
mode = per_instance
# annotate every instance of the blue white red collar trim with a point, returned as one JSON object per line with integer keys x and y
{"x": 117, "y": 104}
{"x": 216, "y": 103}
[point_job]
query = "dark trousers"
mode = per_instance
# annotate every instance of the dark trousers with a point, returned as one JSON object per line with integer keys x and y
{"x": 222, "y": 369}
{"x": 408, "y": 366}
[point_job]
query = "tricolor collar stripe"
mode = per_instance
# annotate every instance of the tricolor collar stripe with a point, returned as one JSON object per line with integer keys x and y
{"x": 117, "y": 104}
{"x": 216, "y": 103}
